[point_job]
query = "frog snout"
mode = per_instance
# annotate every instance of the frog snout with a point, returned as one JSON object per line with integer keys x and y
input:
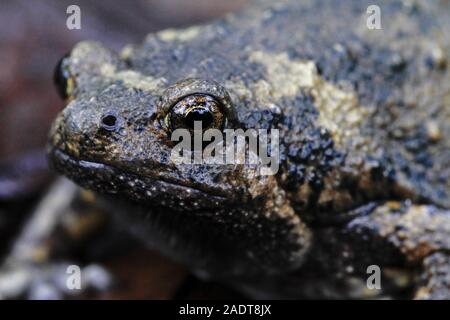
{"x": 77, "y": 126}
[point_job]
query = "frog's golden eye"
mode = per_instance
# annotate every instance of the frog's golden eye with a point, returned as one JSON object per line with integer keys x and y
{"x": 64, "y": 81}
{"x": 193, "y": 99}
{"x": 204, "y": 109}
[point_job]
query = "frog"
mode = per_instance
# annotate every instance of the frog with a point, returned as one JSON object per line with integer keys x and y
{"x": 363, "y": 116}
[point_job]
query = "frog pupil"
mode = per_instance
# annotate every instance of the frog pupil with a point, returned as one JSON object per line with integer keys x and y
{"x": 199, "y": 114}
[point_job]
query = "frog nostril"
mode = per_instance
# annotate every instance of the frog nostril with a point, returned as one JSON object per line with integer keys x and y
{"x": 109, "y": 122}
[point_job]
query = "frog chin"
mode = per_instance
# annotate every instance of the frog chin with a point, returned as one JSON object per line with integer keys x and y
{"x": 108, "y": 179}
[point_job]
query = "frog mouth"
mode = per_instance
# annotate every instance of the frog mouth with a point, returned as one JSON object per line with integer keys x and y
{"x": 109, "y": 178}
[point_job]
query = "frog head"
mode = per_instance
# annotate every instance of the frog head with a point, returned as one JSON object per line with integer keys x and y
{"x": 115, "y": 136}
{"x": 116, "y": 133}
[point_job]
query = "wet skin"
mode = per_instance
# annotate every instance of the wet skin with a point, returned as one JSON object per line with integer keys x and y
{"x": 364, "y": 120}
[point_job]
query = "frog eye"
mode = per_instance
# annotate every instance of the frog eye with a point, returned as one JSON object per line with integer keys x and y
{"x": 191, "y": 100}
{"x": 62, "y": 78}
{"x": 196, "y": 107}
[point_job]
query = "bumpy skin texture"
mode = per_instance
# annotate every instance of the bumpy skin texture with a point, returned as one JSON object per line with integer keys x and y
{"x": 364, "y": 120}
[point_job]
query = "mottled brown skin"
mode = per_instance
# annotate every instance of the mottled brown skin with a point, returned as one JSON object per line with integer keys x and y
{"x": 364, "y": 120}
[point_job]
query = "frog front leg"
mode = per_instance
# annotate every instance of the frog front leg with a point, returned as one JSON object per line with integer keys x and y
{"x": 422, "y": 234}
